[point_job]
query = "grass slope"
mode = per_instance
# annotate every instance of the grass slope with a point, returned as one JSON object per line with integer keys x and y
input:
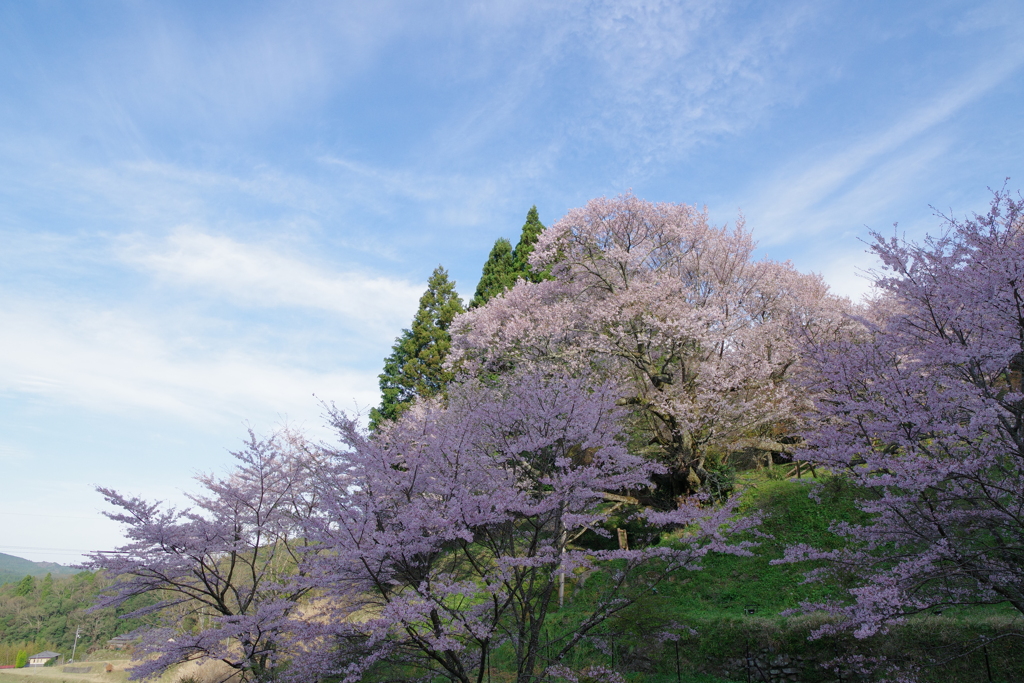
{"x": 729, "y": 585}
{"x": 715, "y": 602}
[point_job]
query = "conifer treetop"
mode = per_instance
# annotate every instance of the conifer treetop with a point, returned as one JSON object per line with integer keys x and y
{"x": 505, "y": 265}
{"x": 415, "y": 366}
{"x": 532, "y": 229}
{"x": 499, "y": 274}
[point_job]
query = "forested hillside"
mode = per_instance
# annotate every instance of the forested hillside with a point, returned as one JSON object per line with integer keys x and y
{"x": 15, "y": 568}
{"x": 38, "y": 613}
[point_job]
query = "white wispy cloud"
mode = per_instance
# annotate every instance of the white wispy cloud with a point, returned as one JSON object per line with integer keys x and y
{"x": 872, "y": 172}
{"x": 452, "y": 199}
{"x": 230, "y": 73}
{"x": 12, "y": 453}
{"x": 110, "y": 361}
{"x": 641, "y": 82}
{"x": 258, "y": 276}
{"x": 674, "y": 75}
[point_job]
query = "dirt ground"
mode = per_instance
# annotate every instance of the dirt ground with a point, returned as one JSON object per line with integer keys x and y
{"x": 211, "y": 672}
{"x": 57, "y": 674}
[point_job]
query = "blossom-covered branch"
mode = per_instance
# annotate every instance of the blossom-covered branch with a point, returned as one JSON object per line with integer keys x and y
{"x": 224, "y": 569}
{"x": 454, "y": 542}
{"x": 924, "y": 409}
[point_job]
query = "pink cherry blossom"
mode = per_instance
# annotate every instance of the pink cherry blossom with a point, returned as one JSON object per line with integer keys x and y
{"x": 447, "y": 534}
{"x": 226, "y": 564}
{"x": 923, "y": 407}
{"x": 698, "y": 335}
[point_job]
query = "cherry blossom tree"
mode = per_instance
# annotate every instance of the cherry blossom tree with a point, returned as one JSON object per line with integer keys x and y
{"x": 447, "y": 534}
{"x": 698, "y": 334}
{"x": 224, "y": 570}
{"x": 924, "y": 410}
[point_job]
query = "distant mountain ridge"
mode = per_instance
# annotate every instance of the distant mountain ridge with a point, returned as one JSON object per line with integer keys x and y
{"x": 13, "y": 568}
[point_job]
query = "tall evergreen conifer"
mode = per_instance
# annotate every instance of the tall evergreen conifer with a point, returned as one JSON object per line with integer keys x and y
{"x": 414, "y": 367}
{"x": 506, "y": 265}
{"x": 499, "y": 274}
{"x": 25, "y": 587}
{"x": 532, "y": 229}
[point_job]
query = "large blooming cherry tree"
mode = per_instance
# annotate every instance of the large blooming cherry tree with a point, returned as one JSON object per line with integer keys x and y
{"x": 699, "y": 335}
{"x": 924, "y": 409}
{"x": 447, "y": 534}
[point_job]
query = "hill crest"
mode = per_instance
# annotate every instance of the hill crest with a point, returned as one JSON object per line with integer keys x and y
{"x": 14, "y": 568}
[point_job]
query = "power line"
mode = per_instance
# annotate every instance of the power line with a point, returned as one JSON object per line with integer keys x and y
{"x": 65, "y": 559}
{"x": 56, "y": 550}
{"x": 35, "y": 514}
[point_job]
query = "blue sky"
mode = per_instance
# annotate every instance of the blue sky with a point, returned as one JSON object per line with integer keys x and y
{"x": 212, "y": 216}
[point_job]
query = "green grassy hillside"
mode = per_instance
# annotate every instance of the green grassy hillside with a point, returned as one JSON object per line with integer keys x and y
{"x": 735, "y": 606}
{"x": 730, "y": 585}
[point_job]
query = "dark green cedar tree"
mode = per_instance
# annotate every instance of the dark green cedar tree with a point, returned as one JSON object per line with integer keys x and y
{"x": 25, "y": 587}
{"x": 532, "y": 229}
{"x": 499, "y": 274}
{"x": 505, "y": 265}
{"x": 415, "y": 366}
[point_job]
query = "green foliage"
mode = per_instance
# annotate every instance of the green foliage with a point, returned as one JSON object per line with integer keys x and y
{"x": 505, "y": 265}
{"x": 21, "y": 659}
{"x": 499, "y": 274}
{"x": 720, "y": 481}
{"x": 25, "y": 586}
{"x": 415, "y": 366}
{"x": 44, "y": 615}
{"x": 532, "y": 229}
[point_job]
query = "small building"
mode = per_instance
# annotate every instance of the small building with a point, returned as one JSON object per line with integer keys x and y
{"x": 120, "y": 642}
{"x": 43, "y": 658}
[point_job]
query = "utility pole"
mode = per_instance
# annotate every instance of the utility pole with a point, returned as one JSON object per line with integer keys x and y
{"x": 75, "y": 646}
